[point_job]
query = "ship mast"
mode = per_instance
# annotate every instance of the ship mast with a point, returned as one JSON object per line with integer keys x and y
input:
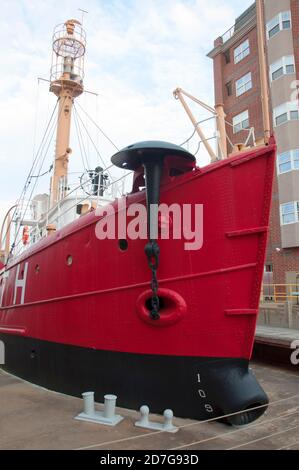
{"x": 67, "y": 73}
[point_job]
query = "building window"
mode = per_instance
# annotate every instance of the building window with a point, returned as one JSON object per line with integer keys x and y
{"x": 284, "y": 162}
{"x": 284, "y": 66}
{"x": 242, "y": 51}
{"x": 286, "y": 112}
{"x": 243, "y": 84}
{"x": 288, "y": 161}
{"x": 268, "y": 268}
{"x": 229, "y": 88}
{"x": 279, "y": 23}
{"x": 295, "y": 159}
{"x": 241, "y": 122}
{"x": 289, "y": 213}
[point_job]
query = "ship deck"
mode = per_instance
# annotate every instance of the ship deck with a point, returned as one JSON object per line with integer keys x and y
{"x": 34, "y": 418}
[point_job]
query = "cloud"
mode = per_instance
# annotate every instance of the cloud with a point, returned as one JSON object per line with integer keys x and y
{"x": 138, "y": 51}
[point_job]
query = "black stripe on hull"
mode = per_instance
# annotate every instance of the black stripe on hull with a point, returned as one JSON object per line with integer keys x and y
{"x": 193, "y": 387}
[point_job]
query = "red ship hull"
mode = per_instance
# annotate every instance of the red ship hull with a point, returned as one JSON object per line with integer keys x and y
{"x": 81, "y": 326}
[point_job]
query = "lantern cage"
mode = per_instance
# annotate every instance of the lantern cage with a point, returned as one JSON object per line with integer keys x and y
{"x": 69, "y": 44}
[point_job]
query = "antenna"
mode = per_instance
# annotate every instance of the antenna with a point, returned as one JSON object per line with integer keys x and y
{"x": 82, "y": 14}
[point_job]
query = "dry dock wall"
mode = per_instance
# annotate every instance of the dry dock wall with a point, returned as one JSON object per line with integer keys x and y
{"x": 280, "y": 315}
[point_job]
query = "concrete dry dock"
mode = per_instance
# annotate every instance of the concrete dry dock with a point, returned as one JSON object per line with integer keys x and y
{"x": 275, "y": 345}
{"x": 34, "y": 418}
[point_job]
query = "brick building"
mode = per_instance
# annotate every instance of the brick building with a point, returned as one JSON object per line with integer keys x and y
{"x": 238, "y": 88}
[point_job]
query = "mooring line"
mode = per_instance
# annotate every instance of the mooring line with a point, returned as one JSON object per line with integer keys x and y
{"x": 219, "y": 436}
{"x": 289, "y": 446}
{"x": 263, "y": 438}
{"x": 184, "y": 426}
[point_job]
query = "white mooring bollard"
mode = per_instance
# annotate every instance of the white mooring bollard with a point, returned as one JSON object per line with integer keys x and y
{"x": 107, "y": 416}
{"x": 144, "y": 414}
{"x": 144, "y": 421}
{"x": 168, "y": 417}
{"x": 88, "y": 399}
{"x": 109, "y": 406}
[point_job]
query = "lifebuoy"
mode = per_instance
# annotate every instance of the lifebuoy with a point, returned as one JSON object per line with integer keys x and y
{"x": 25, "y": 236}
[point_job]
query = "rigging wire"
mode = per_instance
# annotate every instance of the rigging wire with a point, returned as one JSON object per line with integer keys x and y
{"x": 40, "y": 149}
{"x": 45, "y": 173}
{"x": 98, "y": 127}
{"x": 3, "y": 224}
{"x": 35, "y": 118}
{"x": 46, "y": 142}
{"x": 210, "y": 138}
{"x": 37, "y": 177}
{"x": 198, "y": 149}
{"x": 51, "y": 135}
{"x": 94, "y": 145}
{"x": 191, "y": 137}
{"x": 32, "y": 191}
{"x": 195, "y": 129}
{"x": 33, "y": 167}
{"x": 87, "y": 143}
{"x": 81, "y": 142}
{"x": 96, "y": 119}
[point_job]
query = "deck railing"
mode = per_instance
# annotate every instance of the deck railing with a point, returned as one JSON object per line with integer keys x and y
{"x": 228, "y": 34}
{"x": 278, "y": 293}
{"x": 79, "y": 194}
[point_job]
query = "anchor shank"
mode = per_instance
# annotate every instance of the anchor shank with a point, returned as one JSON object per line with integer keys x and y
{"x": 153, "y": 172}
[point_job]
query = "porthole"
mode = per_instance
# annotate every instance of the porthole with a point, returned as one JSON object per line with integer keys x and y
{"x": 37, "y": 269}
{"x": 123, "y": 245}
{"x": 33, "y": 354}
{"x": 69, "y": 260}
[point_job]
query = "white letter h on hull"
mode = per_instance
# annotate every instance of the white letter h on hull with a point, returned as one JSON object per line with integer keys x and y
{"x": 20, "y": 283}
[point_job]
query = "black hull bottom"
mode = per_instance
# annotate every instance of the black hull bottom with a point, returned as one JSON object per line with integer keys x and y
{"x": 197, "y": 388}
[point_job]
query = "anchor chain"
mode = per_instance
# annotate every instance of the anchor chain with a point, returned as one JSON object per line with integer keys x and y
{"x": 152, "y": 251}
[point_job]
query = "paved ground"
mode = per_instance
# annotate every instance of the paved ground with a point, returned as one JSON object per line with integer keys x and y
{"x": 33, "y": 418}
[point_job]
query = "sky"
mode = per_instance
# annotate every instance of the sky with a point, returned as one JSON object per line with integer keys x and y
{"x": 138, "y": 52}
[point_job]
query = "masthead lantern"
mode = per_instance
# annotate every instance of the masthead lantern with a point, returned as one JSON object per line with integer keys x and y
{"x": 69, "y": 43}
